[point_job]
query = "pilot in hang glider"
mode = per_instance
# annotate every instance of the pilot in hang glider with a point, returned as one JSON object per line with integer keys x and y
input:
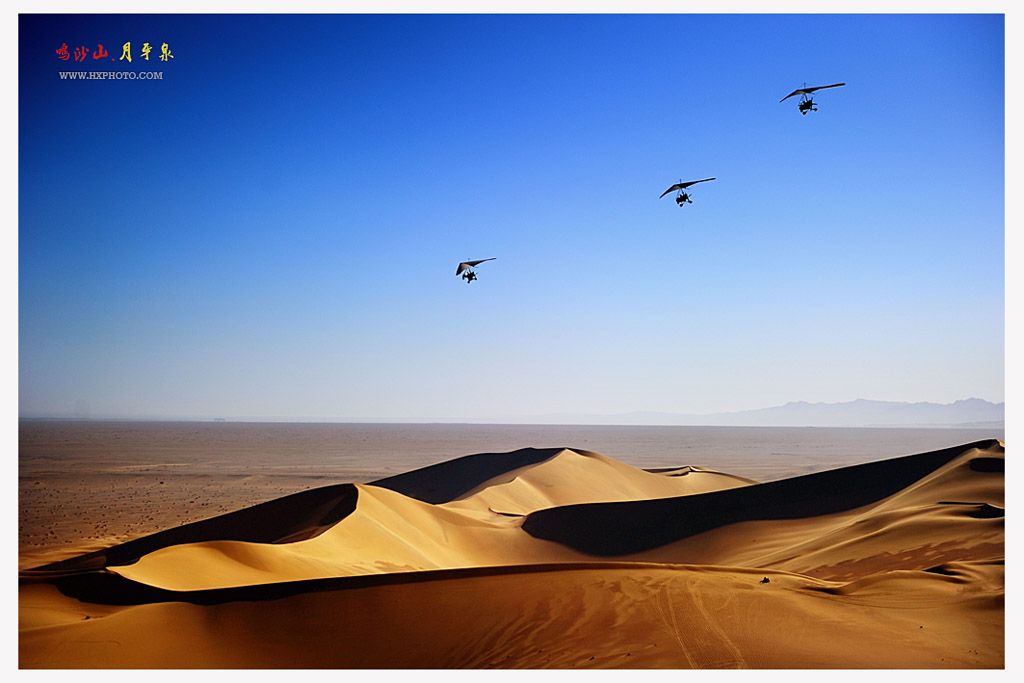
{"x": 682, "y": 197}
{"x": 465, "y": 269}
{"x": 806, "y": 103}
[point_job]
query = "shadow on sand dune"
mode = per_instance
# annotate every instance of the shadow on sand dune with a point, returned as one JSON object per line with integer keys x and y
{"x": 296, "y": 517}
{"x": 108, "y": 588}
{"x": 446, "y": 481}
{"x": 612, "y": 529}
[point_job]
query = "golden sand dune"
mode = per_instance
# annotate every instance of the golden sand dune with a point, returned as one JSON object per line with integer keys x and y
{"x": 609, "y": 615}
{"x": 388, "y": 532}
{"x": 577, "y": 476}
{"x": 288, "y": 519}
{"x": 382, "y": 530}
{"x": 906, "y": 513}
{"x": 556, "y": 558}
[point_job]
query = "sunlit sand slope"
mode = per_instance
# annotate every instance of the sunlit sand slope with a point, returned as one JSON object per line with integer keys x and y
{"x": 540, "y": 616}
{"x": 579, "y": 476}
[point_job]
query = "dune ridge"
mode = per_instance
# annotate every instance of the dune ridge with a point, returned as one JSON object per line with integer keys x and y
{"x": 283, "y": 520}
{"x": 448, "y": 480}
{"x": 556, "y": 558}
{"x": 620, "y": 528}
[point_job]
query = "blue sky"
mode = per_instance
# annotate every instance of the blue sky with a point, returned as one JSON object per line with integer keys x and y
{"x": 272, "y": 229}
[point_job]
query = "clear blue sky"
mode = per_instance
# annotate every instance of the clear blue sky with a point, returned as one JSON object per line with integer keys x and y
{"x": 272, "y": 229}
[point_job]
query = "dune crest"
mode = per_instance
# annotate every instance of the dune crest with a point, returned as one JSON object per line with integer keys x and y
{"x": 574, "y": 476}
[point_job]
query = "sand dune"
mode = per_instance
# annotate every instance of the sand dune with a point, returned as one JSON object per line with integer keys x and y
{"x": 596, "y": 616}
{"x": 283, "y": 520}
{"x": 904, "y": 513}
{"x": 556, "y": 558}
{"x": 575, "y": 476}
{"x": 388, "y": 532}
{"x": 377, "y": 529}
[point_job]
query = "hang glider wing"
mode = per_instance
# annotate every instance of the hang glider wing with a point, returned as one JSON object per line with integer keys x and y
{"x": 470, "y": 264}
{"x": 683, "y": 186}
{"x": 808, "y": 91}
{"x": 677, "y": 186}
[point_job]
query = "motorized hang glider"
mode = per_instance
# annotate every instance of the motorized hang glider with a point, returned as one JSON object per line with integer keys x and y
{"x": 465, "y": 269}
{"x": 806, "y": 103}
{"x": 680, "y": 188}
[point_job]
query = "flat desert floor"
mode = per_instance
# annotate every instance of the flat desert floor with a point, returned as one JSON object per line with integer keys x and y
{"x": 553, "y": 558}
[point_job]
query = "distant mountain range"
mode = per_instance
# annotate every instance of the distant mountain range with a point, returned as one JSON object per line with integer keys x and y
{"x": 970, "y": 412}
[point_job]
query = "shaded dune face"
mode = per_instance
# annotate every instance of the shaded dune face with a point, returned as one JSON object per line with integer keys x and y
{"x": 288, "y": 519}
{"x": 446, "y": 481}
{"x": 983, "y": 464}
{"x": 613, "y": 529}
{"x": 952, "y": 514}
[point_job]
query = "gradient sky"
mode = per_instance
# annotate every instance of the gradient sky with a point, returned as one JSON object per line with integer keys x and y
{"x": 272, "y": 230}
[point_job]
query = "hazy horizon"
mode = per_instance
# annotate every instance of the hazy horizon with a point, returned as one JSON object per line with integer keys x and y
{"x": 274, "y": 232}
{"x": 577, "y": 419}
